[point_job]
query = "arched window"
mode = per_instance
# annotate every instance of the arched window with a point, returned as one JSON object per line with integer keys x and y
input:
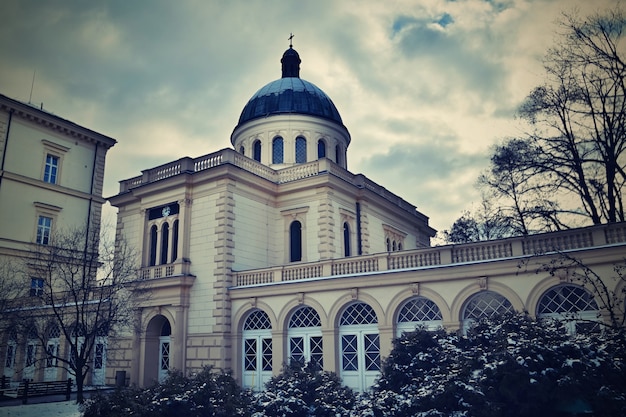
{"x": 175, "y": 241}
{"x": 346, "y": 239}
{"x": 257, "y": 350}
{"x": 388, "y": 245}
{"x": 277, "y": 150}
{"x": 165, "y": 240}
{"x": 321, "y": 149}
{"x": 338, "y": 154}
{"x": 300, "y": 150}
{"x": 295, "y": 241}
{"x": 53, "y": 334}
{"x": 242, "y": 150}
{"x": 305, "y": 336}
{"x": 153, "y": 245}
{"x": 572, "y": 304}
{"x": 360, "y": 346}
{"x": 257, "y": 150}
{"x": 418, "y": 311}
{"x": 485, "y": 304}
{"x": 393, "y": 246}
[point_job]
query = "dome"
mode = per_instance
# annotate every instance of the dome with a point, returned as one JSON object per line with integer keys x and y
{"x": 290, "y": 95}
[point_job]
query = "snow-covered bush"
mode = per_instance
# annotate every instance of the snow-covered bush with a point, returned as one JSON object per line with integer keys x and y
{"x": 505, "y": 366}
{"x": 303, "y": 391}
{"x": 207, "y": 394}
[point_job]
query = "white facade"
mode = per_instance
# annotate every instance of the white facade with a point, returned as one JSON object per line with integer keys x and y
{"x": 51, "y": 177}
{"x": 274, "y": 250}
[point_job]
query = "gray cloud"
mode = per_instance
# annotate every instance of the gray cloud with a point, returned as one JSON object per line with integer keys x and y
{"x": 424, "y": 86}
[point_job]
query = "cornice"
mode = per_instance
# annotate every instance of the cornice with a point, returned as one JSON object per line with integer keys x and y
{"x": 52, "y": 122}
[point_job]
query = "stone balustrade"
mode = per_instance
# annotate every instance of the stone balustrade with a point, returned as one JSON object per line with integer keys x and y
{"x": 293, "y": 173}
{"x": 563, "y": 241}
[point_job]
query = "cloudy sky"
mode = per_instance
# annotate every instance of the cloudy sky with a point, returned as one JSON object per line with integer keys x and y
{"x": 425, "y": 87}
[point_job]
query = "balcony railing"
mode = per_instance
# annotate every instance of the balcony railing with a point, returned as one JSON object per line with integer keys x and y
{"x": 589, "y": 237}
{"x": 293, "y": 173}
{"x": 165, "y": 270}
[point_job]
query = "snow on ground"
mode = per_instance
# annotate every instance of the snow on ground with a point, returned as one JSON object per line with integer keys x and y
{"x": 55, "y": 409}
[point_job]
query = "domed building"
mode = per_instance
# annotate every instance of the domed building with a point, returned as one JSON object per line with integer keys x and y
{"x": 274, "y": 251}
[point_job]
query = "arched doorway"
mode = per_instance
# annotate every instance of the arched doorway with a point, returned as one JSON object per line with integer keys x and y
{"x": 158, "y": 350}
{"x": 305, "y": 336}
{"x": 257, "y": 350}
{"x": 360, "y": 346}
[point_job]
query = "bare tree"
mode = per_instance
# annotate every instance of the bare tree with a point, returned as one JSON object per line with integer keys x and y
{"x": 84, "y": 293}
{"x": 487, "y": 222}
{"x": 570, "y": 169}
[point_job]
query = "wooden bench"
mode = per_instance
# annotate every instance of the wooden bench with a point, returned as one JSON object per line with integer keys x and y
{"x": 28, "y": 389}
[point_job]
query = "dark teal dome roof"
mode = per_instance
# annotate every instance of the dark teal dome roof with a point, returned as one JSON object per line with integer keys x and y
{"x": 290, "y": 95}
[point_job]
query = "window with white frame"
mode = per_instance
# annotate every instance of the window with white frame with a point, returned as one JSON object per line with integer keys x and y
{"x": 44, "y": 230}
{"x": 257, "y": 350}
{"x": 573, "y": 305}
{"x": 485, "y": 304}
{"x": 305, "y": 336}
{"x": 36, "y": 287}
{"x": 53, "y": 157}
{"x": 416, "y": 312}
{"x": 51, "y": 169}
{"x": 360, "y": 346}
{"x": 46, "y": 215}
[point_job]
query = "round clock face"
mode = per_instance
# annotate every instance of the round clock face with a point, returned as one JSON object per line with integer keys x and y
{"x": 165, "y": 212}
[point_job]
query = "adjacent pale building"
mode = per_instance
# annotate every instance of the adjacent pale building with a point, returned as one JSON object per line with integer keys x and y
{"x": 51, "y": 178}
{"x": 274, "y": 251}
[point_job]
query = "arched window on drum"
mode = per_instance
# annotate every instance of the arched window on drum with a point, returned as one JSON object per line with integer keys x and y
{"x": 573, "y": 305}
{"x": 418, "y": 312}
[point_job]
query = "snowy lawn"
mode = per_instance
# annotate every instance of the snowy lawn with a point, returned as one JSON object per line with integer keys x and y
{"x": 56, "y": 409}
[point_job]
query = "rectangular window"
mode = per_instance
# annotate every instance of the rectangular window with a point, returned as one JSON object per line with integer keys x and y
{"x": 36, "y": 287}
{"x": 51, "y": 169}
{"x": 44, "y": 227}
